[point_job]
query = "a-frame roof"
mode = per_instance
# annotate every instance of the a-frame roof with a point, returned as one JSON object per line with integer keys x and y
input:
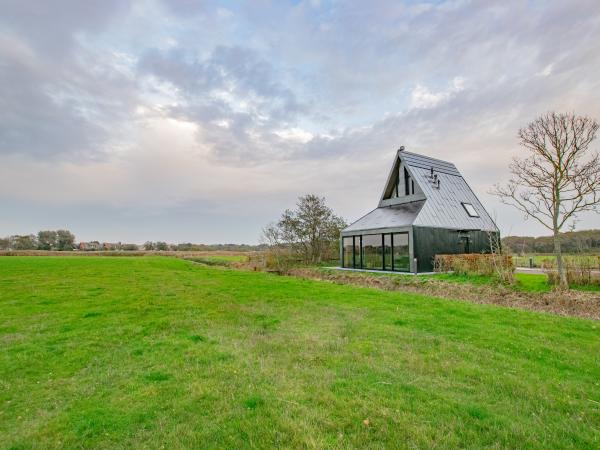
{"x": 440, "y": 205}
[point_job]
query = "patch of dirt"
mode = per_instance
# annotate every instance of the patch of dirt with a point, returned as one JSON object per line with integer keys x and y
{"x": 571, "y": 303}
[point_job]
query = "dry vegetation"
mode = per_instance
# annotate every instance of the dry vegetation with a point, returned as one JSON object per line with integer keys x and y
{"x": 177, "y": 254}
{"x": 474, "y": 263}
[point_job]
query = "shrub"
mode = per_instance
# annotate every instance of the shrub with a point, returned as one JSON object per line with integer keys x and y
{"x": 280, "y": 259}
{"x": 476, "y": 264}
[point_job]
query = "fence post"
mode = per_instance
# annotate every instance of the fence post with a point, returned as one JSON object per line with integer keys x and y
{"x": 415, "y": 265}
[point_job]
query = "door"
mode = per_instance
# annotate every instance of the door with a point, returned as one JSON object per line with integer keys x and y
{"x": 464, "y": 245}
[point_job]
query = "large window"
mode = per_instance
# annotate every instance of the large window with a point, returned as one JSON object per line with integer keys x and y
{"x": 372, "y": 251}
{"x": 401, "y": 255}
{"x": 348, "y": 250}
{"x": 407, "y": 183}
{"x": 387, "y": 252}
{"x": 377, "y": 252}
{"x": 357, "y": 252}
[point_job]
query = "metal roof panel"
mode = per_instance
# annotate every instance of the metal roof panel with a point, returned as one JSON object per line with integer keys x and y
{"x": 388, "y": 217}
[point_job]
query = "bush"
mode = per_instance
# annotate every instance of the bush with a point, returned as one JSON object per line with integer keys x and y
{"x": 280, "y": 259}
{"x": 476, "y": 264}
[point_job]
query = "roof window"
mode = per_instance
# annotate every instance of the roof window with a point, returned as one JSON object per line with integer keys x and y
{"x": 470, "y": 210}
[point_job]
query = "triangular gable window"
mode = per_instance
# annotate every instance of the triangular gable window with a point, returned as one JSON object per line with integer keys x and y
{"x": 401, "y": 183}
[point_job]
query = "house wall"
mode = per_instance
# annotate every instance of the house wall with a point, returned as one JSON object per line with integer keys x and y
{"x": 429, "y": 242}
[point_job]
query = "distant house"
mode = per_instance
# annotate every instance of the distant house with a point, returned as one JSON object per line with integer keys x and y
{"x": 108, "y": 246}
{"x": 89, "y": 246}
{"x": 426, "y": 208}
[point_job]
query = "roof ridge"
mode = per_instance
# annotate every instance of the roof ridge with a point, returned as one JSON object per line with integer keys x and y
{"x": 404, "y": 152}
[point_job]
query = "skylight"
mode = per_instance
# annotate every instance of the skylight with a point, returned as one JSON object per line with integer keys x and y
{"x": 470, "y": 210}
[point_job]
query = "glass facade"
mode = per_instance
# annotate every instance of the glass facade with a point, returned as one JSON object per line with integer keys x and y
{"x": 387, "y": 252}
{"x": 357, "y": 252}
{"x": 348, "y": 251}
{"x": 372, "y": 251}
{"x": 401, "y": 252}
{"x": 377, "y": 252}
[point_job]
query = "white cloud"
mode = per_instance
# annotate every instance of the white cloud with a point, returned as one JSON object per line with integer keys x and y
{"x": 422, "y": 97}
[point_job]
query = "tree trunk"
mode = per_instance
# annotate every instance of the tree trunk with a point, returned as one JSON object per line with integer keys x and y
{"x": 564, "y": 284}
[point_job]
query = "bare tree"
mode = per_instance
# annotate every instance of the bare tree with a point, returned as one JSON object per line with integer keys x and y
{"x": 559, "y": 178}
{"x": 311, "y": 231}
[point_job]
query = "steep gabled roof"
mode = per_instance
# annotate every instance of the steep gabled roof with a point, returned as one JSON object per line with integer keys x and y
{"x": 442, "y": 206}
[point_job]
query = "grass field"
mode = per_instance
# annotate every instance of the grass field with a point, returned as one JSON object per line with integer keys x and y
{"x": 525, "y": 282}
{"x": 539, "y": 260}
{"x": 219, "y": 260}
{"x": 155, "y": 352}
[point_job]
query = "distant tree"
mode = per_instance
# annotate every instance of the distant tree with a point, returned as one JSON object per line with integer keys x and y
{"x": 46, "y": 240}
{"x": 162, "y": 246}
{"x": 558, "y": 179}
{"x": 148, "y": 246}
{"x": 23, "y": 242}
{"x": 129, "y": 247}
{"x": 64, "y": 240}
{"x": 311, "y": 231}
{"x": 4, "y": 243}
{"x": 582, "y": 241}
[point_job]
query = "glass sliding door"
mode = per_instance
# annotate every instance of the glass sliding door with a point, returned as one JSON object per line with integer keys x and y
{"x": 357, "y": 252}
{"x": 348, "y": 251}
{"x": 401, "y": 255}
{"x": 372, "y": 251}
{"x": 387, "y": 252}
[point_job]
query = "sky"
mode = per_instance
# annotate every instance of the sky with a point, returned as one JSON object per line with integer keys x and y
{"x": 200, "y": 121}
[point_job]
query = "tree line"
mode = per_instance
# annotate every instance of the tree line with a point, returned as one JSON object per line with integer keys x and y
{"x": 585, "y": 241}
{"x": 64, "y": 240}
{"x": 58, "y": 240}
{"x": 189, "y": 247}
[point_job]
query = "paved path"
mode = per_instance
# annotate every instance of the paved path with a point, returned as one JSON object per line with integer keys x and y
{"x": 538, "y": 271}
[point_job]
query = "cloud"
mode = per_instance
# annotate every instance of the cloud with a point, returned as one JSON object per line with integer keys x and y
{"x": 57, "y": 97}
{"x": 233, "y": 95}
{"x": 422, "y": 97}
{"x": 156, "y": 107}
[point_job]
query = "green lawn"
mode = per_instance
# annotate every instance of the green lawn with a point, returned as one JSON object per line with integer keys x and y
{"x": 540, "y": 260}
{"x": 525, "y": 282}
{"x": 219, "y": 260}
{"x": 157, "y": 352}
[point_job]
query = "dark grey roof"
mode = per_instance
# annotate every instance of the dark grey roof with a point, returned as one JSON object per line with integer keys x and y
{"x": 442, "y": 207}
{"x": 426, "y": 162}
{"x": 388, "y": 217}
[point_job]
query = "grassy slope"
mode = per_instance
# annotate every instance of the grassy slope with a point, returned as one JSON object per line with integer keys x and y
{"x": 143, "y": 352}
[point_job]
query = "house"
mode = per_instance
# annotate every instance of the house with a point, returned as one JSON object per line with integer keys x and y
{"x": 110, "y": 246}
{"x": 426, "y": 208}
{"x": 89, "y": 246}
